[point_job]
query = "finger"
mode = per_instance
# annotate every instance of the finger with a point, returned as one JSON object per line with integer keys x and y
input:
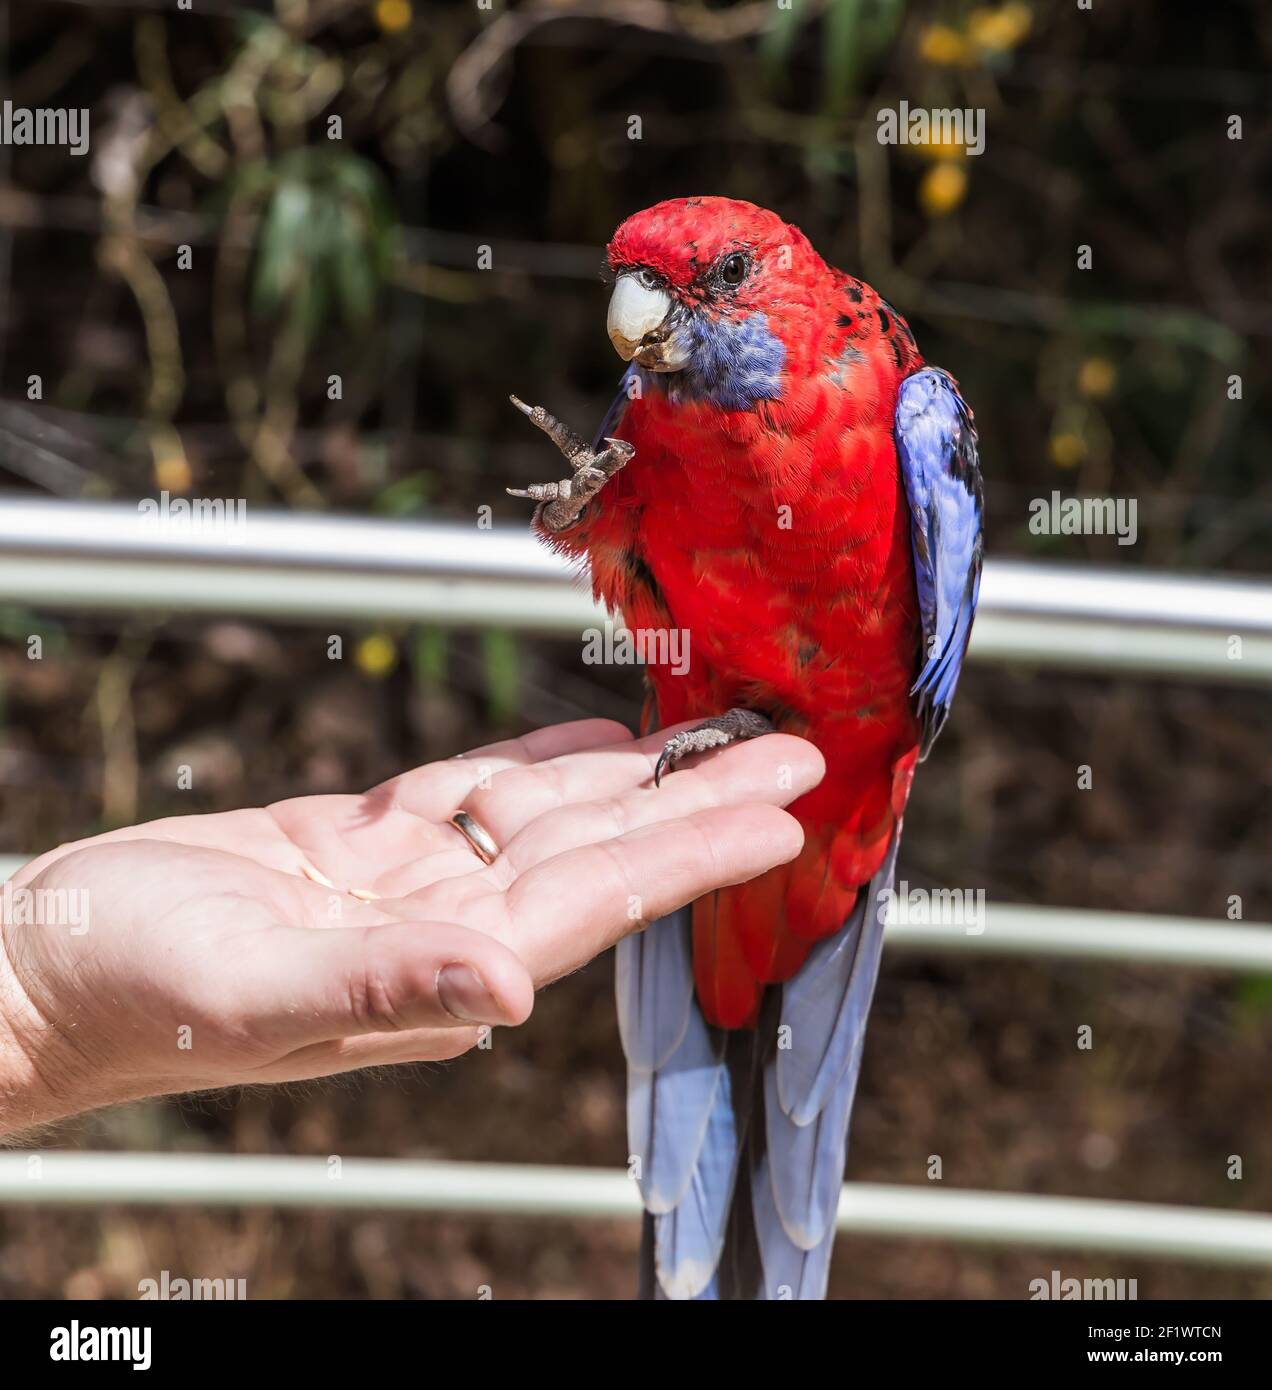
{"x": 772, "y": 771}
{"x": 352, "y": 839}
{"x": 519, "y": 795}
{"x": 372, "y": 1050}
{"x": 436, "y": 790}
{"x": 570, "y": 908}
{"x": 296, "y": 986}
{"x": 395, "y": 839}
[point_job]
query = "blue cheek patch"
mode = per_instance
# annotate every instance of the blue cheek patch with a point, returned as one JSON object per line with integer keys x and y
{"x": 734, "y": 364}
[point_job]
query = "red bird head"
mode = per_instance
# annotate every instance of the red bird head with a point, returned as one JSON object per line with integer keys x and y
{"x": 711, "y": 295}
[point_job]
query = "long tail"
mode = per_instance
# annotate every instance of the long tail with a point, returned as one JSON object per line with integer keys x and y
{"x": 738, "y": 1137}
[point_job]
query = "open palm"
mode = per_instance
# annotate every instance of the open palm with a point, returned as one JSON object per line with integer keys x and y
{"x": 332, "y": 932}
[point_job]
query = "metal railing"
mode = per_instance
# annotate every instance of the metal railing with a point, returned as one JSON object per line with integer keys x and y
{"x": 327, "y": 570}
{"x": 541, "y": 1190}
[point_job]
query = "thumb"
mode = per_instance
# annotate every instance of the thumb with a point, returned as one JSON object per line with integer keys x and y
{"x": 312, "y": 985}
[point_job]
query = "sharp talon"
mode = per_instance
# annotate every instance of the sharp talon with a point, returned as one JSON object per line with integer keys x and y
{"x": 567, "y": 498}
{"x": 733, "y": 727}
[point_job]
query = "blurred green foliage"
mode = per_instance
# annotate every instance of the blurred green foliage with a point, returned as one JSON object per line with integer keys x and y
{"x": 327, "y": 238}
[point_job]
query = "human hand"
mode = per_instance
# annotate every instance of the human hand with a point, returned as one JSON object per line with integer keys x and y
{"x": 227, "y": 949}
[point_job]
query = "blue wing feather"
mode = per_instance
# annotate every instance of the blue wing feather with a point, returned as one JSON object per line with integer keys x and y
{"x": 940, "y": 467}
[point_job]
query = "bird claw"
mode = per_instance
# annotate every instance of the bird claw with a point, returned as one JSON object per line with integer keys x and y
{"x": 561, "y": 503}
{"x": 735, "y": 726}
{"x": 542, "y": 492}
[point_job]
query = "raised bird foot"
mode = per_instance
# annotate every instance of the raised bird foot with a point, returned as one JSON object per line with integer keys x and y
{"x": 561, "y": 503}
{"x": 723, "y": 729}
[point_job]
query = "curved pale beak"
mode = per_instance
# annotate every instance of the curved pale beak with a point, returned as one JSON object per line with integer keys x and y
{"x": 638, "y": 326}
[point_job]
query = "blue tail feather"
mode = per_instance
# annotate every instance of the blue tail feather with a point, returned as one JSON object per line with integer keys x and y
{"x": 826, "y": 1005}
{"x": 668, "y": 1113}
{"x": 806, "y": 1162}
{"x": 689, "y": 1240}
{"x": 788, "y": 1270}
{"x": 654, "y": 989}
{"x": 743, "y": 1204}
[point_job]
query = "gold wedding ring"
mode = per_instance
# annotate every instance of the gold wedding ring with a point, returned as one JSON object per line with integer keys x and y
{"x": 481, "y": 840}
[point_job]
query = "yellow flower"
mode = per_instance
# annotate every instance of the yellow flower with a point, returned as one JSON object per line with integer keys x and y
{"x": 376, "y": 655}
{"x": 1001, "y": 29}
{"x": 171, "y": 467}
{"x": 1097, "y": 376}
{"x": 942, "y": 46}
{"x": 393, "y": 15}
{"x": 942, "y": 188}
{"x": 1067, "y": 449}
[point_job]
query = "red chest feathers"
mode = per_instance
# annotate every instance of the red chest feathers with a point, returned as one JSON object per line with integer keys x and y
{"x": 783, "y": 554}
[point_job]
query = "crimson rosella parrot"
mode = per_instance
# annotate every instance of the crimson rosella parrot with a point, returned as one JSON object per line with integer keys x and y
{"x": 797, "y": 489}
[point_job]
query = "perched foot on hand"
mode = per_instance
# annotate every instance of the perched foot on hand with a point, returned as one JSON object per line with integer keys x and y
{"x": 561, "y": 503}
{"x": 733, "y": 727}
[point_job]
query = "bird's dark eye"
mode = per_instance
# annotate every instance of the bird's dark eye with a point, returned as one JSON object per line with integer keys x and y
{"x": 648, "y": 279}
{"x": 733, "y": 271}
